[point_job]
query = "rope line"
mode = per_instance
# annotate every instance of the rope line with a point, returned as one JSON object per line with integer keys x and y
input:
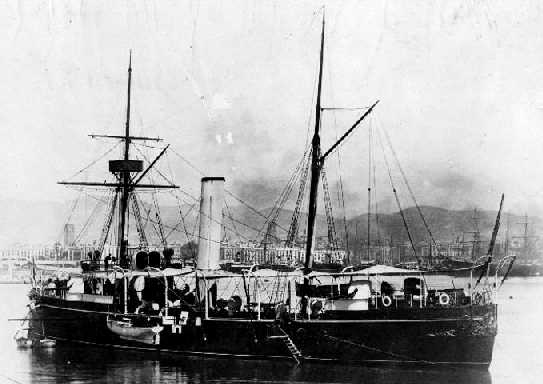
{"x": 95, "y": 161}
{"x": 419, "y": 210}
{"x": 404, "y": 220}
{"x": 373, "y": 349}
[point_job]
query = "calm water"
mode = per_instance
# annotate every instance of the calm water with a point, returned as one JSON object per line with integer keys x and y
{"x": 518, "y": 355}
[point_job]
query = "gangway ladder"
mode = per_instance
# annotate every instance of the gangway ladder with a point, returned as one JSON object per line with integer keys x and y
{"x": 295, "y": 353}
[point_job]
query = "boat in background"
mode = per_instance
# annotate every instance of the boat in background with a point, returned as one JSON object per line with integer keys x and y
{"x": 22, "y": 339}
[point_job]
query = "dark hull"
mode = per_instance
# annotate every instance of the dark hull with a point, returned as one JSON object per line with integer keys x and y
{"x": 524, "y": 270}
{"x": 453, "y": 336}
{"x": 517, "y": 270}
{"x": 473, "y": 271}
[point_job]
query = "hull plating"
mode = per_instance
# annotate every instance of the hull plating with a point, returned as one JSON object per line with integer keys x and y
{"x": 452, "y": 336}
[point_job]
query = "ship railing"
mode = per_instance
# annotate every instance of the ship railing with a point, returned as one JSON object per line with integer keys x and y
{"x": 506, "y": 260}
{"x": 487, "y": 292}
{"x": 399, "y": 298}
{"x": 59, "y": 292}
{"x": 256, "y": 295}
{"x": 91, "y": 265}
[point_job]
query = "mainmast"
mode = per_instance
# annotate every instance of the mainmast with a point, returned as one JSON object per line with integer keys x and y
{"x": 369, "y": 194}
{"x": 317, "y": 160}
{"x": 125, "y": 175}
{"x": 316, "y": 167}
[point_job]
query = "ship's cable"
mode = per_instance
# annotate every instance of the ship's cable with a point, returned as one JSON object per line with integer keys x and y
{"x": 419, "y": 210}
{"x": 373, "y": 349}
{"x": 404, "y": 220}
{"x": 340, "y": 192}
{"x": 95, "y": 161}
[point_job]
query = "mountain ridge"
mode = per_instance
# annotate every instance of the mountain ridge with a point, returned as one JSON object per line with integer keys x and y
{"x": 41, "y": 223}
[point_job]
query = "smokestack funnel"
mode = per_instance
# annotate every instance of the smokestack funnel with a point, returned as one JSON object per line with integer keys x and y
{"x": 211, "y": 203}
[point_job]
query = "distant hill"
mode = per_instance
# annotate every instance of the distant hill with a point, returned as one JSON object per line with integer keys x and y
{"x": 36, "y": 223}
{"x": 445, "y": 225}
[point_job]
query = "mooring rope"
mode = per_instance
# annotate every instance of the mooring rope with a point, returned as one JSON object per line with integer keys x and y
{"x": 373, "y": 349}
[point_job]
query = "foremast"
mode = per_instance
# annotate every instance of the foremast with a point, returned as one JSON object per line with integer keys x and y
{"x": 125, "y": 175}
{"x": 125, "y": 172}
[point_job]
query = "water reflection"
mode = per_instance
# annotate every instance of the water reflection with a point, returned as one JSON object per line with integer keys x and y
{"x": 96, "y": 365}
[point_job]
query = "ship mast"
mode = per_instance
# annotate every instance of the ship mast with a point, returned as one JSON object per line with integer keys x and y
{"x": 125, "y": 175}
{"x": 317, "y": 161}
{"x": 125, "y": 184}
{"x": 316, "y": 167}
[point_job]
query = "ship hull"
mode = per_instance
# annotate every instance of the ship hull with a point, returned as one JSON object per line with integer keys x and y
{"x": 449, "y": 337}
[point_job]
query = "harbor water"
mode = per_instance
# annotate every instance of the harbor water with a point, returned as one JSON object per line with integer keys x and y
{"x": 518, "y": 355}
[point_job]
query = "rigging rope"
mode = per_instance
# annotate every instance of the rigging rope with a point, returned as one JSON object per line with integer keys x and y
{"x": 419, "y": 210}
{"x": 196, "y": 222}
{"x": 373, "y": 349}
{"x": 398, "y": 202}
{"x": 374, "y": 188}
{"x": 237, "y": 221}
{"x": 166, "y": 226}
{"x": 155, "y": 169}
{"x": 376, "y": 206}
{"x": 328, "y": 210}
{"x": 294, "y": 223}
{"x": 107, "y": 223}
{"x": 159, "y": 231}
{"x": 283, "y": 198}
{"x": 231, "y": 219}
{"x": 88, "y": 222}
{"x": 340, "y": 192}
{"x": 187, "y": 162}
{"x": 139, "y": 224}
{"x": 370, "y": 129}
{"x": 343, "y": 108}
{"x": 254, "y": 210}
{"x": 74, "y": 206}
{"x": 95, "y": 161}
{"x": 251, "y": 208}
{"x": 182, "y": 221}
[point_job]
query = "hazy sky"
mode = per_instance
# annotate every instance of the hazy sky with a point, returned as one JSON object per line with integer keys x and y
{"x": 230, "y": 85}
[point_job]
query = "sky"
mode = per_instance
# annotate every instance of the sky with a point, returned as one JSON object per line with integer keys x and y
{"x": 230, "y": 85}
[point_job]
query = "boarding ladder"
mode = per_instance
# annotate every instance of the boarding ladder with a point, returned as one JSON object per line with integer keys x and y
{"x": 295, "y": 353}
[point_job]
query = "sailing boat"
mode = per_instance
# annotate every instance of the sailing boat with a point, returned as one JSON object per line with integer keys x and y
{"x": 380, "y": 315}
{"x": 521, "y": 251}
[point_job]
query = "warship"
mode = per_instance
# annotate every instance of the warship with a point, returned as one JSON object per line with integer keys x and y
{"x": 141, "y": 301}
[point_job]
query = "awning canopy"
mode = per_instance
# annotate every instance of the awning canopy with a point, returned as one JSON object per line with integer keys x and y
{"x": 388, "y": 270}
{"x": 382, "y": 270}
{"x": 117, "y": 272}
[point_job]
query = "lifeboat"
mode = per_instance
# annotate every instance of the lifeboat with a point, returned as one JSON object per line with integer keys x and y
{"x": 47, "y": 343}
{"x": 127, "y": 331}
